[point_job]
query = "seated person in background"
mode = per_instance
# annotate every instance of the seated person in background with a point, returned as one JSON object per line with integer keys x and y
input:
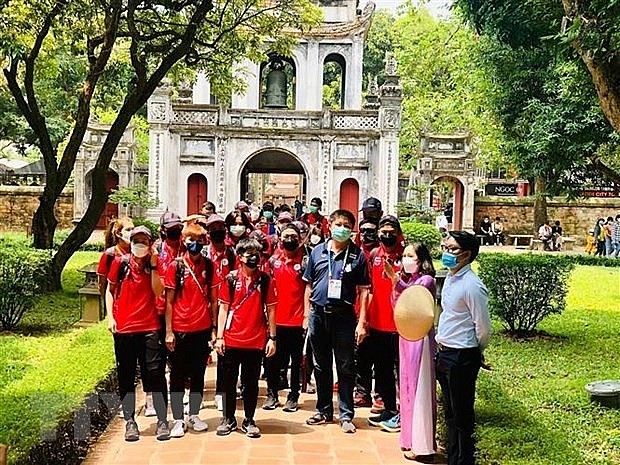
{"x": 497, "y": 229}
{"x": 545, "y": 234}
{"x": 556, "y": 230}
{"x": 590, "y": 242}
{"x": 485, "y": 230}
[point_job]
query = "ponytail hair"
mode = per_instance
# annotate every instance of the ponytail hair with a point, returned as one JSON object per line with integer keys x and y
{"x": 113, "y": 229}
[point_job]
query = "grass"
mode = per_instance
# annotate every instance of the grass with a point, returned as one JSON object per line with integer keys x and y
{"x": 49, "y": 365}
{"x": 532, "y": 408}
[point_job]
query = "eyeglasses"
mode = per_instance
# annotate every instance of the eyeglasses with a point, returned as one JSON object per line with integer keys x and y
{"x": 454, "y": 250}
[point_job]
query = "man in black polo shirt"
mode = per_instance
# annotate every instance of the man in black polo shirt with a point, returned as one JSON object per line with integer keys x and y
{"x": 336, "y": 270}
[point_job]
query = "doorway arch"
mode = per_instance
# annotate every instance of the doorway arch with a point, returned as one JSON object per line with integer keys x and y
{"x": 440, "y": 199}
{"x": 196, "y": 193}
{"x": 350, "y": 197}
{"x": 273, "y": 174}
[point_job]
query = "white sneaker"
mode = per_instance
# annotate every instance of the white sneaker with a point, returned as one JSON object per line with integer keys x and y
{"x": 178, "y": 429}
{"x": 149, "y": 410}
{"x": 219, "y": 402}
{"x": 197, "y": 424}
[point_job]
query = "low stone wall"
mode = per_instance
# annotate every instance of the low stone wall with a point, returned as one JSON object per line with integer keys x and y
{"x": 517, "y": 213}
{"x": 18, "y": 204}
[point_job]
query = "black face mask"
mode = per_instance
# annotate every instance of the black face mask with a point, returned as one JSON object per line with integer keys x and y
{"x": 388, "y": 240}
{"x": 290, "y": 244}
{"x": 173, "y": 234}
{"x": 369, "y": 236}
{"x": 252, "y": 261}
{"x": 217, "y": 236}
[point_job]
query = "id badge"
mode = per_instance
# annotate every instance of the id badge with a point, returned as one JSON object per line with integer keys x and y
{"x": 334, "y": 289}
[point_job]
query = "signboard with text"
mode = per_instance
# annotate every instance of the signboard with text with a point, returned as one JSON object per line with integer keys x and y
{"x": 501, "y": 189}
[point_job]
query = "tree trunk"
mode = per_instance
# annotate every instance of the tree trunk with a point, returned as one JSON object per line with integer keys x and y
{"x": 44, "y": 221}
{"x": 540, "y": 203}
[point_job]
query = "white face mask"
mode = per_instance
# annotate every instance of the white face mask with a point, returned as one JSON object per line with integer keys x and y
{"x": 139, "y": 250}
{"x": 315, "y": 239}
{"x": 410, "y": 265}
{"x": 237, "y": 230}
{"x": 125, "y": 235}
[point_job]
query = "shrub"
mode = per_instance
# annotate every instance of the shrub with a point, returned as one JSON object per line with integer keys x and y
{"x": 24, "y": 274}
{"x": 423, "y": 233}
{"x": 416, "y": 213}
{"x": 526, "y": 288}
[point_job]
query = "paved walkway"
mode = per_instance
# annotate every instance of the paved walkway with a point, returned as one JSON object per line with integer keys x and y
{"x": 286, "y": 440}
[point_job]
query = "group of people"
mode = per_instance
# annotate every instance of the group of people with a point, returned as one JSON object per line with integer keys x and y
{"x": 492, "y": 231}
{"x": 604, "y": 238}
{"x": 551, "y": 236}
{"x": 264, "y": 292}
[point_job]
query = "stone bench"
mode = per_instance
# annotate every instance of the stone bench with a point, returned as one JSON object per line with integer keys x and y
{"x": 521, "y": 238}
{"x": 568, "y": 243}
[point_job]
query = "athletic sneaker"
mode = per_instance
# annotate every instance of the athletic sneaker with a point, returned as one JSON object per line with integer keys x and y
{"x": 383, "y": 416}
{"x": 392, "y": 425}
{"x": 149, "y": 409}
{"x": 271, "y": 402}
{"x": 178, "y": 429}
{"x": 291, "y": 405}
{"x": 197, "y": 424}
{"x": 361, "y": 400}
{"x": 347, "y": 426}
{"x": 219, "y": 402}
{"x": 250, "y": 429}
{"x": 131, "y": 431}
{"x": 227, "y": 426}
{"x": 163, "y": 431}
{"x": 377, "y": 406}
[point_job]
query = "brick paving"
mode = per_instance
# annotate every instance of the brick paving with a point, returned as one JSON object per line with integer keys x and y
{"x": 286, "y": 440}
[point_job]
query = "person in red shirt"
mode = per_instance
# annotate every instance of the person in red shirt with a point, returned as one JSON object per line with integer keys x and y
{"x": 238, "y": 225}
{"x": 287, "y": 268}
{"x": 190, "y": 306}
{"x": 244, "y": 334}
{"x": 224, "y": 259}
{"x": 116, "y": 241}
{"x": 382, "y": 336}
{"x": 315, "y": 218}
{"x": 133, "y": 283}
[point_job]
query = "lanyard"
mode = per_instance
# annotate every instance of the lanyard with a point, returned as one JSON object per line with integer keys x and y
{"x": 329, "y": 260}
{"x": 189, "y": 268}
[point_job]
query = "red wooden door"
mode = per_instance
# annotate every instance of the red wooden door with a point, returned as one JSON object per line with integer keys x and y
{"x": 350, "y": 196}
{"x": 111, "y": 209}
{"x": 196, "y": 193}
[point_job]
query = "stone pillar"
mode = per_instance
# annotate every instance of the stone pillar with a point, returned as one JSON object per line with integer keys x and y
{"x": 390, "y": 124}
{"x": 325, "y": 179}
{"x": 468, "y": 204}
{"x": 313, "y": 70}
{"x": 159, "y": 115}
{"x": 202, "y": 90}
{"x": 354, "y": 75}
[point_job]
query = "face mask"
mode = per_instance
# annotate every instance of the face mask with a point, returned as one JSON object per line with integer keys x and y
{"x": 139, "y": 250}
{"x": 237, "y": 230}
{"x": 315, "y": 239}
{"x": 313, "y": 209}
{"x": 449, "y": 260}
{"x": 125, "y": 235}
{"x": 252, "y": 261}
{"x": 218, "y": 236}
{"x": 388, "y": 240}
{"x": 194, "y": 247}
{"x": 341, "y": 233}
{"x": 268, "y": 215}
{"x": 290, "y": 244}
{"x": 368, "y": 236}
{"x": 410, "y": 265}
{"x": 173, "y": 234}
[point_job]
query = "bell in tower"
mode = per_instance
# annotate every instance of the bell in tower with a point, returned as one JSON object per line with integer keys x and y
{"x": 276, "y": 88}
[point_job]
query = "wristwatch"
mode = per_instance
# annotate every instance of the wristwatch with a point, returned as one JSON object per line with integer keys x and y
{"x": 272, "y": 338}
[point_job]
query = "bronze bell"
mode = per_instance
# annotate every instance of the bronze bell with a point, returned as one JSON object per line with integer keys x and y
{"x": 275, "y": 95}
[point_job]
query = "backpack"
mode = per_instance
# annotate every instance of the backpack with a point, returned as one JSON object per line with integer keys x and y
{"x": 263, "y": 285}
{"x": 123, "y": 272}
{"x": 180, "y": 273}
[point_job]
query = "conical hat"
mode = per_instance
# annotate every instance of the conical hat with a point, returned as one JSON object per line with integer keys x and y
{"x": 414, "y": 313}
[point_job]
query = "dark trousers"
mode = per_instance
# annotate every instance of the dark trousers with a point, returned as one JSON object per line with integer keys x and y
{"x": 333, "y": 335}
{"x": 143, "y": 349}
{"x": 457, "y": 371}
{"x": 188, "y": 360}
{"x": 250, "y": 361}
{"x": 290, "y": 344}
{"x": 163, "y": 360}
{"x": 219, "y": 381}
{"x": 384, "y": 352}
{"x": 363, "y": 368}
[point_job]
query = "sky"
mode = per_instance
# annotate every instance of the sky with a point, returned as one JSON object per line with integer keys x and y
{"x": 438, "y": 8}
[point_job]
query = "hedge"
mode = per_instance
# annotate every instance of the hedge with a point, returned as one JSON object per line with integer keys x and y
{"x": 423, "y": 233}
{"x": 526, "y": 288}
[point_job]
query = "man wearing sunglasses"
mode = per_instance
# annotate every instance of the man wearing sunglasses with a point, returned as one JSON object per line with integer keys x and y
{"x": 462, "y": 335}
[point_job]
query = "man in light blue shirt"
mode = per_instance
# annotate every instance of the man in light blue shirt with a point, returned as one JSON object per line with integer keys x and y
{"x": 462, "y": 335}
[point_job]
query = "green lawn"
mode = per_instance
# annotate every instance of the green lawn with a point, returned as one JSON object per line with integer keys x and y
{"x": 533, "y": 409}
{"x": 48, "y": 365}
